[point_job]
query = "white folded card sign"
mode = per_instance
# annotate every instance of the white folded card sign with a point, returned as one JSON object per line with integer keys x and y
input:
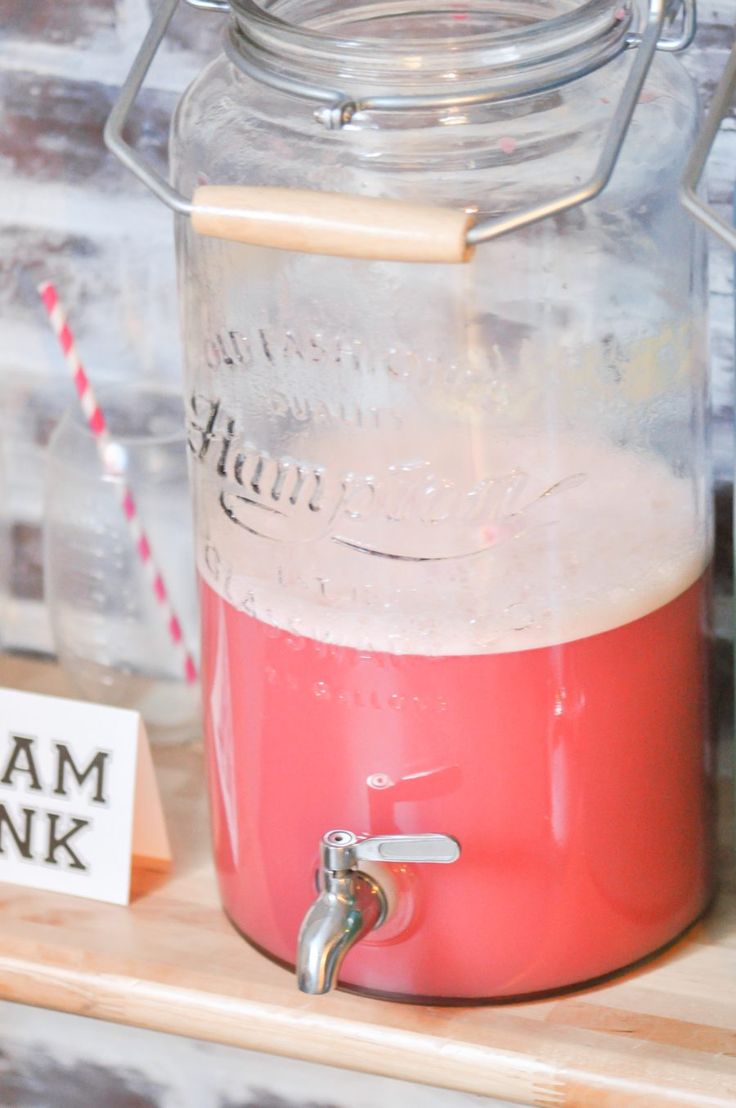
{"x": 78, "y": 797}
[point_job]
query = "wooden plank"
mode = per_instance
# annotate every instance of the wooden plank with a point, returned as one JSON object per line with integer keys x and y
{"x": 663, "y": 1035}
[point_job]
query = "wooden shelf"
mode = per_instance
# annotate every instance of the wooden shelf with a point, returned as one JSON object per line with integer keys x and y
{"x": 664, "y": 1035}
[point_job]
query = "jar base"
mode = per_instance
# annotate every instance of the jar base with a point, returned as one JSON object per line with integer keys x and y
{"x": 487, "y": 1001}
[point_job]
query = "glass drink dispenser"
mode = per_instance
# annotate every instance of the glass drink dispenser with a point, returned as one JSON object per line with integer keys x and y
{"x": 443, "y": 321}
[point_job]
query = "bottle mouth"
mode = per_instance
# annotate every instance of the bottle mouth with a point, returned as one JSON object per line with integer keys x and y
{"x": 397, "y": 47}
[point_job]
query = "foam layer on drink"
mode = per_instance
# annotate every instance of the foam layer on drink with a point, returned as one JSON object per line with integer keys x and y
{"x": 519, "y": 544}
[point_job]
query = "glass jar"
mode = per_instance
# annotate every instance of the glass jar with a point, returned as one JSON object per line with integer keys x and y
{"x": 453, "y": 520}
{"x": 110, "y": 630}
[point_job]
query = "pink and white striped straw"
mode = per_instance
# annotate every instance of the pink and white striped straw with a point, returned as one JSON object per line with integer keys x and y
{"x": 96, "y": 421}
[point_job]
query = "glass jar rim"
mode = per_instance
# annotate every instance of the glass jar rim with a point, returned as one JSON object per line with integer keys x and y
{"x": 592, "y": 13}
{"x": 537, "y": 55}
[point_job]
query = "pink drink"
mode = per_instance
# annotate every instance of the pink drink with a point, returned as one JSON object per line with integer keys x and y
{"x": 573, "y": 774}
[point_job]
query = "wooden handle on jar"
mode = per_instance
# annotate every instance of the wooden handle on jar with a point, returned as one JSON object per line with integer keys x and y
{"x": 332, "y": 223}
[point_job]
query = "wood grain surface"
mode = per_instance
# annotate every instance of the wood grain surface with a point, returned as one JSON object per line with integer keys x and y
{"x": 661, "y": 1035}
{"x": 332, "y": 223}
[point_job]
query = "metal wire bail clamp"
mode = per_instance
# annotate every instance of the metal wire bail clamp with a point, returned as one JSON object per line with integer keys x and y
{"x": 646, "y": 43}
{"x": 696, "y": 162}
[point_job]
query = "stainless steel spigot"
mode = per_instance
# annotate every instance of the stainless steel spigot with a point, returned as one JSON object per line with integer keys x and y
{"x": 352, "y": 903}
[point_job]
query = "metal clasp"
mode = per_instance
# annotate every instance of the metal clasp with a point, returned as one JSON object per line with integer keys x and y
{"x": 686, "y": 10}
{"x": 341, "y": 108}
{"x": 696, "y": 162}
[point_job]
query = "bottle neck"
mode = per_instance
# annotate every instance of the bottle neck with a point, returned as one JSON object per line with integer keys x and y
{"x": 494, "y": 49}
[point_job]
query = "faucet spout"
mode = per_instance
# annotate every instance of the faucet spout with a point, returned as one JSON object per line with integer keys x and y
{"x": 350, "y": 906}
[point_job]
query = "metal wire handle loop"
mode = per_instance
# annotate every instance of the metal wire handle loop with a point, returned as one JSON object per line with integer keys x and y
{"x": 696, "y": 162}
{"x": 502, "y": 225}
{"x": 687, "y": 10}
{"x": 113, "y": 133}
{"x": 481, "y": 232}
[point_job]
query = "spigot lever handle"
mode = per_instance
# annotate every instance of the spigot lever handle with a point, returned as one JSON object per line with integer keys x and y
{"x": 343, "y": 850}
{"x": 408, "y": 848}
